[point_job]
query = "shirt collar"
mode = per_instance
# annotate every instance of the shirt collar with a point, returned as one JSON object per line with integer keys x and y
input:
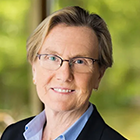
{"x": 34, "y": 129}
{"x": 35, "y": 126}
{"x": 73, "y": 131}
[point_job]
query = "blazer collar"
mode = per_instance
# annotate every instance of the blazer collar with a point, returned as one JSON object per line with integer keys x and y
{"x": 93, "y": 128}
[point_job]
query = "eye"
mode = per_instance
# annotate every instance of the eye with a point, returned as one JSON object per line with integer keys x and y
{"x": 80, "y": 61}
{"x": 49, "y": 57}
{"x": 53, "y": 58}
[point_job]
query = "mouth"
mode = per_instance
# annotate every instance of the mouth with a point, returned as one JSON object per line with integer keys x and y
{"x": 62, "y": 90}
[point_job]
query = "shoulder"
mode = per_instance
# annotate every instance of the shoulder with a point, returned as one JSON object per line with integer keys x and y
{"x": 15, "y": 131}
{"x": 109, "y": 134}
{"x": 97, "y": 129}
{"x": 106, "y": 132}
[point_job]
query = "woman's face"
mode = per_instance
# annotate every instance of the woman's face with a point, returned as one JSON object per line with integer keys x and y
{"x": 62, "y": 89}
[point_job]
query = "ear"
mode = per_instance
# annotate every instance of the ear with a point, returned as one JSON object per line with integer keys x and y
{"x": 101, "y": 74}
{"x": 33, "y": 69}
{"x": 101, "y": 71}
{"x": 34, "y": 73}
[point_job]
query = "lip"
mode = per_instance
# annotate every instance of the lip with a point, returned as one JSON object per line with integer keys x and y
{"x": 61, "y": 90}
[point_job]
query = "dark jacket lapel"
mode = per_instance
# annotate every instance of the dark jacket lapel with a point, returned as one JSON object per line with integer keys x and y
{"x": 93, "y": 128}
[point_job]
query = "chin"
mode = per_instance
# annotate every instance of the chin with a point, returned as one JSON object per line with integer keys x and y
{"x": 60, "y": 107}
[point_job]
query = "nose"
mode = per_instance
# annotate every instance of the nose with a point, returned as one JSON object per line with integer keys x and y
{"x": 64, "y": 73}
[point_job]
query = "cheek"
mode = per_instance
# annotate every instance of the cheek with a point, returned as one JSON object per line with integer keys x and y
{"x": 43, "y": 79}
{"x": 84, "y": 90}
{"x": 84, "y": 86}
{"x": 86, "y": 82}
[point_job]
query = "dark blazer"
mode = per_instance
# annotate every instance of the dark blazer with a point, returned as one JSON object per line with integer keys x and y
{"x": 95, "y": 129}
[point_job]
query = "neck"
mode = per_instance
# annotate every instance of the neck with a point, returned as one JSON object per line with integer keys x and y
{"x": 58, "y": 122}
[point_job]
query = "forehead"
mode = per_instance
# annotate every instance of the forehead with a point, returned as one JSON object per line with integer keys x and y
{"x": 71, "y": 40}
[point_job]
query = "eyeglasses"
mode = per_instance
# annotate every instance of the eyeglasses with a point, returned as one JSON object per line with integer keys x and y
{"x": 77, "y": 64}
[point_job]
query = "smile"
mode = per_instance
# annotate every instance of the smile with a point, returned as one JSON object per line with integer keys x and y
{"x": 63, "y": 90}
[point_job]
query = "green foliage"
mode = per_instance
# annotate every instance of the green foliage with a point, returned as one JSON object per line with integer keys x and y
{"x": 13, "y": 65}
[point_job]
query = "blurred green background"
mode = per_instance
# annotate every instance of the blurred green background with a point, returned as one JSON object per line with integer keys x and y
{"x": 118, "y": 98}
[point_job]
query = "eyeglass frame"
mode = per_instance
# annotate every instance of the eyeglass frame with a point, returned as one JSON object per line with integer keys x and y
{"x": 69, "y": 61}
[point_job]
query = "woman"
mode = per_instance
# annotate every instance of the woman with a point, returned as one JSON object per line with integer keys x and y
{"x": 69, "y": 53}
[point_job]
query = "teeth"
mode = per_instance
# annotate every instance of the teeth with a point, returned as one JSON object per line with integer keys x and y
{"x": 62, "y": 90}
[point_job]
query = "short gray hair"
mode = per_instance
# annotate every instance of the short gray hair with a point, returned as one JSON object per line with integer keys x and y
{"x": 73, "y": 16}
